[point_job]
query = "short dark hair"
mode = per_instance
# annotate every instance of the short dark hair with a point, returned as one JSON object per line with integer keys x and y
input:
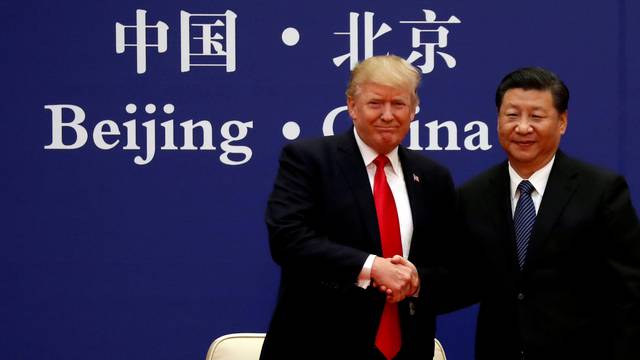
{"x": 535, "y": 78}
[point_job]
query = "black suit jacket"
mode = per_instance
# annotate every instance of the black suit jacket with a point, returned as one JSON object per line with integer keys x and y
{"x": 322, "y": 226}
{"x": 578, "y": 296}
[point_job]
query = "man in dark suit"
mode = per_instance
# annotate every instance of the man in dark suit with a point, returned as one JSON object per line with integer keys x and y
{"x": 355, "y": 222}
{"x": 554, "y": 243}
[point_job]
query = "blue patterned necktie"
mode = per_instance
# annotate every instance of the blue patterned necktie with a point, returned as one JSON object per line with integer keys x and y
{"x": 523, "y": 219}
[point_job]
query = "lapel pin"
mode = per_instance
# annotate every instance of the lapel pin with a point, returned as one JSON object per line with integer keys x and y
{"x": 416, "y": 178}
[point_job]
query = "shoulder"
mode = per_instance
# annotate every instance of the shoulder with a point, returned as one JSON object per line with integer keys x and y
{"x": 488, "y": 178}
{"x": 425, "y": 165}
{"x": 310, "y": 145}
{"x": 582, "y": 168}
{"x": 604, "y": 189}
{"x": 601, "y": 185}
{"x": 319, "y": 157}
{"x": 313, "y": 148}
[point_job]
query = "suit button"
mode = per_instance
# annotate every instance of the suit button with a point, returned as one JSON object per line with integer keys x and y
{"x": 520, "y": 296}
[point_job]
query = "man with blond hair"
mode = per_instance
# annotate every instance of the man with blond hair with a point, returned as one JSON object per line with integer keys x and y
{"x": 356, "y": 222}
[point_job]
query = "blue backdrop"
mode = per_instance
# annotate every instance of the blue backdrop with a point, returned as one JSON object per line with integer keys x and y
{"x": 140, "y": 142}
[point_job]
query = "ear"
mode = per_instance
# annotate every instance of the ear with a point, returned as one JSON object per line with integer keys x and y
{"x": 564, "y": 117}
{"x": 351, "y": 103}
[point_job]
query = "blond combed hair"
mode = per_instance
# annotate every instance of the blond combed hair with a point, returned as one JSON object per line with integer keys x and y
{"x": 387, "y": 70}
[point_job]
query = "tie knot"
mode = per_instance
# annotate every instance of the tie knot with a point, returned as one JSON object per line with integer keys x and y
{"x": 381, "y": 161}
{"x": 525, "y": 187}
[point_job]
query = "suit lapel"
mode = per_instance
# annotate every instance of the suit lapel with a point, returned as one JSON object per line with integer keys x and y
{"x": 418, "y": 199}
{"x": 352, "y": 166}
{"x": 561, "y": 185}
{"x": 499, "y": 195}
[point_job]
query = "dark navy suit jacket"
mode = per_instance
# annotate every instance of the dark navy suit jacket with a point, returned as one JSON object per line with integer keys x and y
{"x": 322, "y": 226}
{"x": 578, "y": 296}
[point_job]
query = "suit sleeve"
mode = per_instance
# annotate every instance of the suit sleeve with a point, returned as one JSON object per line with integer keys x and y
{"x": 622, "y": 238}
{"x": 440, "y": 282}
{"x": 458, "y": 280}
{"x": 298, "y": 237}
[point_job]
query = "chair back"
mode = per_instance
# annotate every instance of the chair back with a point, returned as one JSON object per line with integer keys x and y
{"x": 438, "y": 351}
{"x": 247, "y": 346}
{"x": 239, "y": 346}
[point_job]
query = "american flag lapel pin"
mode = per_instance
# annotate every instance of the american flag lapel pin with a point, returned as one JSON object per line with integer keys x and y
{"x": 416, "y": 178}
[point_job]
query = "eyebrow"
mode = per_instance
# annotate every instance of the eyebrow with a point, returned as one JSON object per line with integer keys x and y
{"x": 536, "y": 107}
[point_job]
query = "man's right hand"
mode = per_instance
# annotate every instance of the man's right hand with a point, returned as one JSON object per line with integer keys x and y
{"x": 396, "y": 280}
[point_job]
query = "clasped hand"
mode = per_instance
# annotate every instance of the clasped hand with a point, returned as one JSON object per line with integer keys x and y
{"x": 397, "y": 277}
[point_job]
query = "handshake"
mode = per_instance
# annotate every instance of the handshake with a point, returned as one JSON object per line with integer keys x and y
{"x": 397, "y": 277}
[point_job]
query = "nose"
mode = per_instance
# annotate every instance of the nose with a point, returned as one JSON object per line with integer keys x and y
{"x": 523, "y": 126}
{"x": 387, "y": 114}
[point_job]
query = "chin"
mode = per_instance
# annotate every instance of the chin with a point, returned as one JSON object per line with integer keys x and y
{"x": 522, "y": 154}
{"x": 387, "y": 141}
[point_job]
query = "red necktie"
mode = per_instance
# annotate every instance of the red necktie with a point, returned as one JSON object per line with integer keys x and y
{"x": 388, "y": 338}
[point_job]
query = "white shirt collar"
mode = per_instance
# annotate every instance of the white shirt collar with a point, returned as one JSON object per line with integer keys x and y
{"x": 538, "y": 179}
{"x": 368, "y": 154}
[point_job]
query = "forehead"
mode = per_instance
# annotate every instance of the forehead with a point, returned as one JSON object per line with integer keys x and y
{"x": 371, "y": 89}
{"x": 529, "y": 98}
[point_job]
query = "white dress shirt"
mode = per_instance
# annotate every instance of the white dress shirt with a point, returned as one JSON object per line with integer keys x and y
{"x": 539, "y": 181}
{"x": 395, "y": 178}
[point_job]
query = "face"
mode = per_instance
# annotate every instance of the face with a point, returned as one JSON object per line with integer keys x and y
{"x": 530, "y": 128}
{"x": 381, "y": 115}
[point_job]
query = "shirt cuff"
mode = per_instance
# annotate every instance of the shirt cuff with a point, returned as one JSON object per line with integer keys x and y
{"x": 364, "y": 279}
{"x": 415, "y": 294}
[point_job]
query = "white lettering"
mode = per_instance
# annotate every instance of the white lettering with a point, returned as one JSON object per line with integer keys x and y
{"x": 434, "y": 129}
{"x": 482, "y": 135}
{"x": 57, "y": 124}
{"x": 235, "y": 149}
{"x": 476, "y": 133}
{"x": 207, "y": 137}
{"x": 99, "y": 132}
{"x": 327, "y": 124}
{"x": 168, "y": 136}
{"x": 151, "y": 143}
{"x": 131, "y": 135}
{"x": 414, "y": 136}
{"x": 107, "y": 134}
